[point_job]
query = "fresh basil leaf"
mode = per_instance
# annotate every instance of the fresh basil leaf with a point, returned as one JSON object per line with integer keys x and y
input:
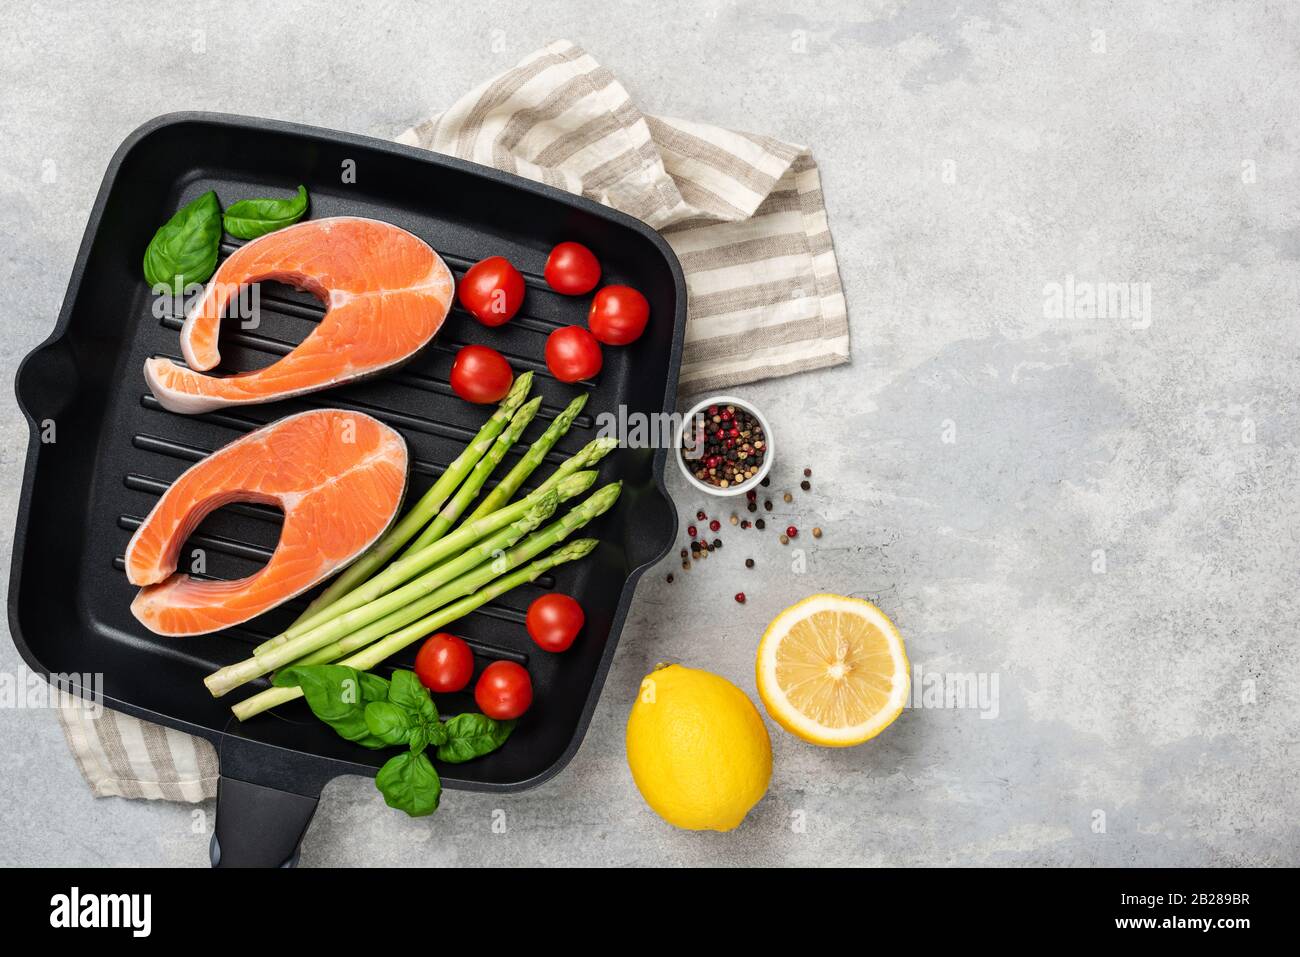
{"x": 409, "y": 783}
{"x": 373, "y": 687}
{"x": 472, "y": 736}
{"x": 387, "y": 722}
{"x": 406, "y": 691}
{"x": 336, "y": 695}
{"x": 184, "y": 250}
{"x": 437, "y": 733}
{"x": 418, "y": 739}
{"x": 250, "y": 218}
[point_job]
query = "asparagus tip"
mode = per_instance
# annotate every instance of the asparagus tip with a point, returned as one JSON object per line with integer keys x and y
{"x": 522, "y": 385}
{"x": 602, "y": 500}
{"x": 568, "y": 414}
{"x": 575, "y": 484}
{"x": 543, "y": 509}
{"x": 578, "y": 548}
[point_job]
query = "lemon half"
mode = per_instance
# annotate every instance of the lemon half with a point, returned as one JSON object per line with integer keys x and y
{"x": 833, "y": 671}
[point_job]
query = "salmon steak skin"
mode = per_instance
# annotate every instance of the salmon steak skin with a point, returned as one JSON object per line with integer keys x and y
{"x": 386, "y": 294}
{"x": 339, "y": 477}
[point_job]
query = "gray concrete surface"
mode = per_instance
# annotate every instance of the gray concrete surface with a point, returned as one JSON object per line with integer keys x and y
{"x": 972, "y": 463}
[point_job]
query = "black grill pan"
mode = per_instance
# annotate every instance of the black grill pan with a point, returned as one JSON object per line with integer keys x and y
{"x": 116, "y": 450}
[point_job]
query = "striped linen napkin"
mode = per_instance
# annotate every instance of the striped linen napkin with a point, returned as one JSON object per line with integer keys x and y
{"x": 743, "y": 212}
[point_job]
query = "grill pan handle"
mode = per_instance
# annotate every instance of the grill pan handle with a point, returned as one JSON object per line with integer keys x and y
{"x": 266, "y": 797}
{"x": 258, "y": 826}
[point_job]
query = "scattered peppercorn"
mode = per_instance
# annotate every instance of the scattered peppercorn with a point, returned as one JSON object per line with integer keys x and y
{"x": 669, "y": 579}
{"x": 817, "y": 532}
{"x": 717, "y": 543}
{"x": 735, "y": 519}
{"x": 784, "y": 540}
{"x": 787, "y": 497}
{"x": 767, "y": 504}
{"x": 752, "y": 506}
{"x": 760, "y": 524}
{"x": 683, "y": 553}
{"x": 700, "y": 516}
{"x": 805, "y": 485}
{"x": 792, "y": 531}
{"x": 807, "y": 473}
{"x": 714, "y": 525}
{"x": 749, "y": 563}
{"x": 745, "y": 523}
{"x": 740, "y": 597}
{"x": 767, "y": 480}
{"x": 691, "y": 530}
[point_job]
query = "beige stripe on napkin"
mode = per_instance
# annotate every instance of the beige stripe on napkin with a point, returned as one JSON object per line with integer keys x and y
{"x": 743, "y": 212}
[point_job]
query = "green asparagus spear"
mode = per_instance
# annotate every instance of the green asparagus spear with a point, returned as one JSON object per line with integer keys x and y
{"x": 446, "y": 518}
{"x": 393, "y": 643}
{"x": 406, "y": 568}
{"x": 534, "y": 457}
{"x": 234, "y": 675}
{"x": 585, "y": 458}
{"x": 588, "y": 455}
{"x": 529, "y": 548}
{"x": 432, "y": 500}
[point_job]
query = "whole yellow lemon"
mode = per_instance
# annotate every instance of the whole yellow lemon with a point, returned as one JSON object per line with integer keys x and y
{"x": 698, "y": 749}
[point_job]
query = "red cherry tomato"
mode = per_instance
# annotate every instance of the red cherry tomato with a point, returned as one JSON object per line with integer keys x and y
{"x": 554, "y": 620}
{"x": 504, "y": 690}
{"x": 444, "y": 663}
{"x": 480, "y": 374}
{"x": 572, "y": 269}
{"x": 618, "y": 315}
{"x": 572, "y": 353}
{"x": 492, "y": 291}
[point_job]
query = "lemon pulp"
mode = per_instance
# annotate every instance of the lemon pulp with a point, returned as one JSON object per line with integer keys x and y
{"x": 832, "y": 670}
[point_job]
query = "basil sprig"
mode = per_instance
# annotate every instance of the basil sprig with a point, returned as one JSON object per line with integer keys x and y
{"x": 250, "y": 218}
{"x": 184, "y": 250}
{"x": 375, "y": 713}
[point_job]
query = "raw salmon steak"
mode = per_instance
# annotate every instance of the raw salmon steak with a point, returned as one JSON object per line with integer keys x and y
{"x": 386, "y": 294}
{"x": 338, "y": 476}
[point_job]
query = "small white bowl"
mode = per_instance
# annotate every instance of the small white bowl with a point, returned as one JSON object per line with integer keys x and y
{"x": 768, "y": 452}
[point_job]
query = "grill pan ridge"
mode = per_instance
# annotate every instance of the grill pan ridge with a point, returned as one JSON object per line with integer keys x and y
{"x": 115, "y": 450}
